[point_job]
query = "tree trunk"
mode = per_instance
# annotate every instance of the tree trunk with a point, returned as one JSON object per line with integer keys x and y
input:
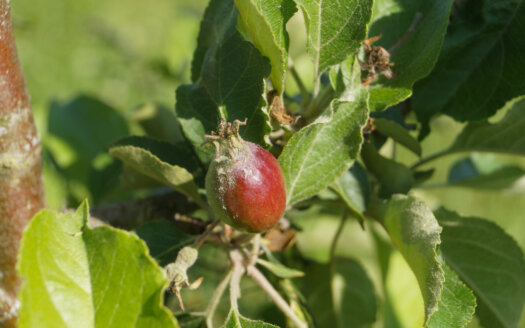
{"x": 21, "y": 186}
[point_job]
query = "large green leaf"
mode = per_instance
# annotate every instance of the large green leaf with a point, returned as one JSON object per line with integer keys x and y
{"x": 490, "y": 262}
{"x": 80, "y": 277}
{"x": 219, "y": 19}
{"x": 394, "y": 177}
{"x": 149, "y": 157}
{"x": 456, "y": 305}
{"x": 417, "y": 53}
{"x": 78, "y": 123}
{"x": 341, "y": 295}
{"x": 319, "y": 153}
{"x": 335, "y": 29}
{"x": 235, "y": 320}
{"x": 481, "y": 66}
{"x": 228, "y": 75}
{"x": 505, "y": 136}
{"x": 415, "y": 233}
{"x": 266, "y": 22}
{"x": 78, "y": 142}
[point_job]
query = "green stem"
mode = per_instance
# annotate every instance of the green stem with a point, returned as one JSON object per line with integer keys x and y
{"x": 222, "y": 113}
{"x": 430, "y": 158}
{"x": 216, "y": 298}
{"x": 338, "y": 234}
{"x": 302, "y": 88}
{"x": 319, "y": 103}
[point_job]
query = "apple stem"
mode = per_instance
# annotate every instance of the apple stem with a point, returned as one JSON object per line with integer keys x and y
{"x": 216, "y": 297}
{"x": 261, "y": 280}
{"x": 235, "y": 281}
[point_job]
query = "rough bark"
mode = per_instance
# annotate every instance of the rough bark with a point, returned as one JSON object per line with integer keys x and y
{"x": 21, "y": 187}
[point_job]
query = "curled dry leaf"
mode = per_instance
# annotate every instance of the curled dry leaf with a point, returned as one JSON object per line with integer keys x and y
{"x": 279, "y": 238}
{"x": 278, "y": 111}
{"x": 377, "y": 61}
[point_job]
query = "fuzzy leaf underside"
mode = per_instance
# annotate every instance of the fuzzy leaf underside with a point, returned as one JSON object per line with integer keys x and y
{"x": 319, "y": 153}
{"x": 335, "y": 29}
{"x": 415, "y": 233}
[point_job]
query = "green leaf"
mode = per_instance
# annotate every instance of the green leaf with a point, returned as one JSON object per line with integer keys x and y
{"x": 354, "y": 188}
{"x": 266, "y": 21}
{"x": 505, "y": 136}
{"x": 79, "y": 145}
{"x": 235, "y": 320}
{"x": 230, "y": 84}
{"x": 341, "y": 295}
{"x": 152, "y": 158}
{"x": 80, "y": 277}
{"x": 197, "y": 114}
{"x": 481, "y": 66}
{"x": 164, "y": 240}
{"x": 490, "y": 262}
{"x": 415, "y": 233}
{"x": 397, "y": 133}
{"x": 78, "y": 124}
{"x": 319, "y": 153}
{"x": 456, "y": 305}
{"x": 159, "y": 122}
{"x": 393, "y": 176}
{"x": 219, "y": 19}
{"x": 416, "y": 54}
{"x": 335, "y": 29}
{"x": 465, "y": 174}
{"x": 280, "y": 270}
{"x": 345, "y": 77}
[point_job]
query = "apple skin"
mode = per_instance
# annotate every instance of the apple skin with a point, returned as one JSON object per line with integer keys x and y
{"x": 245, "y": 187}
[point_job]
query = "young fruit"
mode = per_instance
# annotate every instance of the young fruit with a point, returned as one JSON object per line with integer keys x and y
{"x": 244, "y": 183}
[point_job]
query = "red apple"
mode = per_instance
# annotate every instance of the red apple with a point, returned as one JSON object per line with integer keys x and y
{"x": 245, "y": 184}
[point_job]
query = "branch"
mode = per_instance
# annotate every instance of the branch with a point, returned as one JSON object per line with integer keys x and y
{"x": 21, "y": 186}
{"x": 164, "y": 206}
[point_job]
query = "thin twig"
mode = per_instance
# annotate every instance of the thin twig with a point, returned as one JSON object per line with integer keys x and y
{"x": 261, "y": 280}
{"x": 216, "y": 298}
{"x": 205, "y": 234}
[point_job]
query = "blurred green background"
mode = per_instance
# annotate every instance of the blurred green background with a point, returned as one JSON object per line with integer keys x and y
{"x": 101, "y": 70}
